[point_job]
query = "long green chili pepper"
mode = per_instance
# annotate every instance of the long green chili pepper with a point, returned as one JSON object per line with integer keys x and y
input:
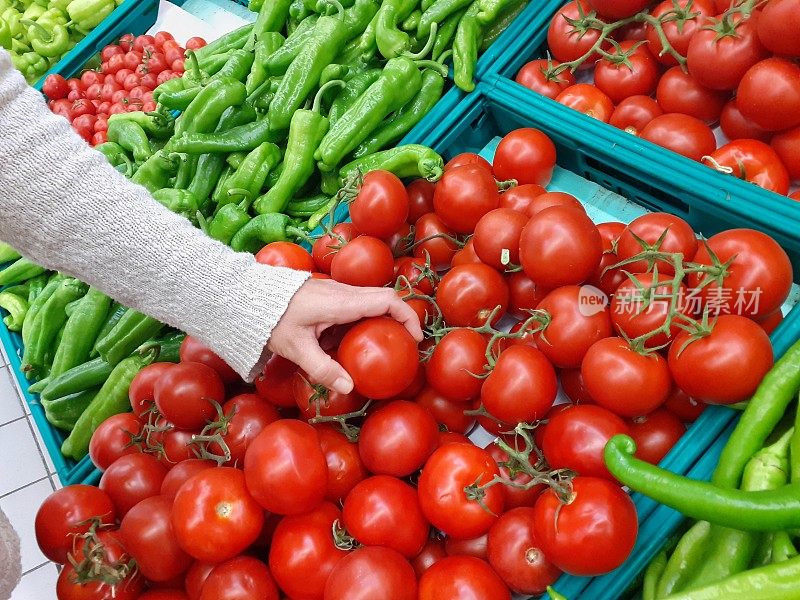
{"x": 438, "y": 12}
{"x": 308, "y": 128}
{"x": 16, "y": 307}
{"x": 468, "y": 39}
{"x": 652, "y": 575}
{"x": 770, "y": 510}
{"x": 329, "y": 182}
{"x": 307, "y": 206}
{"x": 36, "y": 303}
{"x": 773, "y": 582}
{"x": 400, "y": 81}
{"x": 412, "y": 22}
{"x": 238, "y": 139}
{"x": 157, "y": 170}
{"x": 262, "y": 230}
{"x": 7, "y": 253}
{"x": 265, "y": 47}
{"x": 279, "y": 61}
{"x": 445, "y": 34}
{"x": 80, "y": 378}
{"x": 112, "y": 317}
{"x": 156, "y": 124}
{"x": 390, "y": 39}
{"x": 131, "y": 137}
{"x": 65, "y": 412}
{"x": 763, "y": 554}
{"x": 238, "y": 66}
{"x": 81, "y": 331}
{"x": 36, "y": 286}
{"x": 411, "y": 160}
{"x": 782, "y": 547}
{"x": 315, "y": 219}
{"x": 249, "y": 178}
{"x": 20, "y": 270}
{"x": 228, "y": 220}
{"x": 132, "y": 330}
{"x": 112, "y": 399}
{"x": 794, "y": 450}
{"x": 354, "y": 89}
{"x": 302, "y": 76}
{"x": 335, "y": 71}
{"x": 117, "y": 157}
{"x": 271, "y": 18}
{"x": 690, "y": 550}
{"x": 407, "y": 117}
{"x": 230, "y": 41}
{"x": 491, "y": 10}
{"x": 204, "y": 113}
{"x": 179, "y": 201}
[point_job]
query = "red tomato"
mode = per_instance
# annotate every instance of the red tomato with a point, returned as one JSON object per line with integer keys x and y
{"x": 734, "y": 125}
{"x": 523, "y": 295}
{"x": 464, "y": 195}
{"x": 634, "y": 113}
{"x": 286, "y": 254}
{"x": 126, "y": 42}
{"x": 246, "y": 415}
{"x": 181, "y": 473}
{"x": 468, "y": 158}
{"x": 82, "y": 107}
{"x": 385, "y": 511}
{"x": 285, "y": 468}
{"x": 380, "y": 573}
{"x": 685, "y": 408}
{"x": 618, "y": 9}
{"x": 462, "y": 577}
{"x": 415, "y": 272}
{"x": 345, "y": 468}
{"x": 63, "y": 107}
{"x": 681, "y": 133}
{"x": 551, "y": 199}
{"x": 496, "y": 239}
{"x": 778, "y": 26}
{"x": 381, "y": 357}
{"x": 725, "y": 366}
{"x": 679, "y": 32}
{"x": 521, "y": 387}
{"x": 400, "y": 241}
{"x": 442, "y": 496}
{"x": 520, "y": 197}
{"x": 447, "y": 412}
{"x": 469, "y": 294}
{"x": 634, "y": 72}
{"x": 756, "y": 282}
{"x": 526, "y": 155}
{"x": 194, "y": 43}
{"x": 456, "y": 359}
{"x": 214, "y": 518}
{"x": 752, "y": 161}
{"x": 113, "y": 438}
{"x": 677, "y": 234}
{"x": 149, "y": 81}
{"x": 511, "y": 470}
{"x": 66, "y": 513}
{"x": 655, "y": 434}
{"x": 133, "y": 59}
{"x": 431, "y": 240}
{"x": 365, "y": 261}
{"x": 99, "y": 137}
{"x": 115, "y": 65}
{"x": 515, "y": 555}
{"x": 177, "y": 66}
{"x": 568, "y": 41}
{"x": 609, "y": 280}
{"x": 131, "y": 479}
{"x": 679, "y": 92}
{"x": 196, "y": 577}
{"x": 240, "y": 578}
{"x": 622, "y": 380}
{"x": 69, "y": 588}
{"x": 538, "y": 75}
{"x": 275, "y": 383}
{"x": 587, "y": 99}
{"x": 476, "y": 547}
{"x": 147, "y": 534}
{"x": 466, "y": 256}
{"x": 420, "y": 199}
{"x": 786, "y": 145}
{"x": 576, "y": 321}
{"x": 574, "y": 387}
{"x": 157, "y": 63}
{"x": 326, "y": 247}
{"x": 91, "y": 77}
{"x": 590, "y": 535}
{"x": 576, "y": 436}
{"x": 381, "y": 206}
{"x": 315, "y": 399}
{"x": 769, "y": 94}
{"x": 161, "y": 37}
{"x": 140, "y": 41}
{"x": 186, "y": 392}
{"x": 431, "y": 553}
{"x": 55, "y": 87}
{"x": 193, "y": 350}
{"x": 142, "y": 389}
{"x": 303, "y": 553}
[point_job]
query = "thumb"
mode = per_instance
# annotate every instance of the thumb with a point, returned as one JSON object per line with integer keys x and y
{"x": 321, "y": 368}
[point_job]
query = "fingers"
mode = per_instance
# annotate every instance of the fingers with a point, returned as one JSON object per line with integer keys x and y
{"x": 402, "y": 312}
{"x": 320, "y": 367}
{"x": 384, "y": 301}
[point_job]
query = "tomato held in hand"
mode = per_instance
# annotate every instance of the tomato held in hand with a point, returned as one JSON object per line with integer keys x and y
{"x": 385, "y": 511}
{"x": 655, "y": 434}
{"x": 66, "y": 513}
{"x": 381, "y": 357}
{"x": 725, "y": 366}
{"x": 575, "y": 437}
{"x": 462, "y": 577}
{"x": 240, "y": 578}
{"x": 469, "y": 295}
{"x": 372, "y": 572}
{"x": 285, "y": 468}
{"x": 526, "y": 155}
{"x": 185, "y": 394}
{"x": 442, "y": 496}
{"x": 381, "y": 206}
{"x": 590, "y": 535}
{"x": 463, "y": 195}
{"x": 685, "y": 135}
{"x": 365, "y": 261}
{"x": 538, "y": 75}
{"x": 752, "y": 161}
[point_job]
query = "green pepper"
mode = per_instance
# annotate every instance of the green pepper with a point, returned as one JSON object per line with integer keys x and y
{"x": 315, "y": 219}
{"x": 234, "y": 40}
{"x": 157, "y": 124}
{"x": 237, "y": 67}
{"x": 204, "y": 113}
{"x": 36, "y": 286}
{"x": 279, "y": 61}
{"x": 36, "y": 303}
{"x": 690, "y": 550}
{"x": 770, "y": 510}
{"x": 12, "y": 17}
{"x": 306, "y": 207}
{"x": 228, "y": 220}
{"x": 65, "y": 412}
{"x": 20, "y": 270}
{"x": 354, "y": 89}
{"x": 335, "y": 71}
{"x": 234, "y": 160}
{"x": 249, "y": 178}
{"x": 411, "y": 160}
{"x": 265, "y": 47}
{"x": 303, "y": 74}
{"x": 53, "y": 16}
{"x": 391, "y": 41}
{"x": 88, "y": 14}
{"x": 114, "y": 315}
{"x": 412, "y": 22}
{"x": 400, "y": 81}
{"x": 490, "y": 10}
{"x": 271, "y": 18}
{"x": 496, "y": 29}
{"x": 238, "y": 139}
{"x": 652, "y": 575}
{"x": 469, "y": 37}
{"x": 117, "y": 157}
{"x": 157, "y": 170}
{"x": 16, "y": 307}
{"x": 407, "y": 117}
{"x": 179, "y": 201}
{"x": 31, "y": 65}
{"x": 298, "y": 11}
{"x": 445, "y": 34}
{"x": 131, "y": 137}
{"x": 262, "y": 230}
{"x": 33, "y": 12}
{"x": 81, "y": 331}
{"x": 52, "y": 42}
{"x": 438, "y": 12}
{"x": 782, "y": 547}
{"x": 307, "y": 129}
{"x": 80, "y": 378}
{"x": 132, "y": 330}
{"x": 112, "y": 399}
{"x": 5, "y": 35}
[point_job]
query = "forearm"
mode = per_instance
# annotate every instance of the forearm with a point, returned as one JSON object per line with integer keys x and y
{"x": 68, "y": 210}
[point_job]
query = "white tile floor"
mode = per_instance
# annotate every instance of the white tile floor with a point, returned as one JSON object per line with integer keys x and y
{"x": 26, "y": 478}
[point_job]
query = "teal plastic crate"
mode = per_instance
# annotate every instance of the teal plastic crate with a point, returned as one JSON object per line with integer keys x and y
{"x": 588, "y": 168}
{"x": 687, "y": 181}
{"x": 132, "y": 16}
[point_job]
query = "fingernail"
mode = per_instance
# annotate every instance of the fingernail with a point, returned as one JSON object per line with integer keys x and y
{"x": 343, "y": 385}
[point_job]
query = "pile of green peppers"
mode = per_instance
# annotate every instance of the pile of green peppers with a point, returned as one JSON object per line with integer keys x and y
{"x": 38, "y": 33}
{"x": 748, "y": 516}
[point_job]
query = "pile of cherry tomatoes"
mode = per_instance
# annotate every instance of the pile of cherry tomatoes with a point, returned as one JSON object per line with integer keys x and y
{"x": 218, "y": 490}
{"x": 124, "y": 82}
{"x": 726, "y": 62}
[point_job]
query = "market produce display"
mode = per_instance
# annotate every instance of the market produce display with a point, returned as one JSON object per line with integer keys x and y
{"x": 39, "y": 33}
{"x": 669, "y": 72}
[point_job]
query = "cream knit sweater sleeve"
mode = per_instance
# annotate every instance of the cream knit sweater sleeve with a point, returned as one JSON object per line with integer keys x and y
{"x": 64, "y": 207}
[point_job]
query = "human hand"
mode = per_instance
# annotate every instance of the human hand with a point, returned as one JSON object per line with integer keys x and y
{"x": 323, "y": 303}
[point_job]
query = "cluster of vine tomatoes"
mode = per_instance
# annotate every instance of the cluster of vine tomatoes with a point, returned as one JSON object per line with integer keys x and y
{"x": 124, "y": 82}
{"x": 726, "y": 62}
